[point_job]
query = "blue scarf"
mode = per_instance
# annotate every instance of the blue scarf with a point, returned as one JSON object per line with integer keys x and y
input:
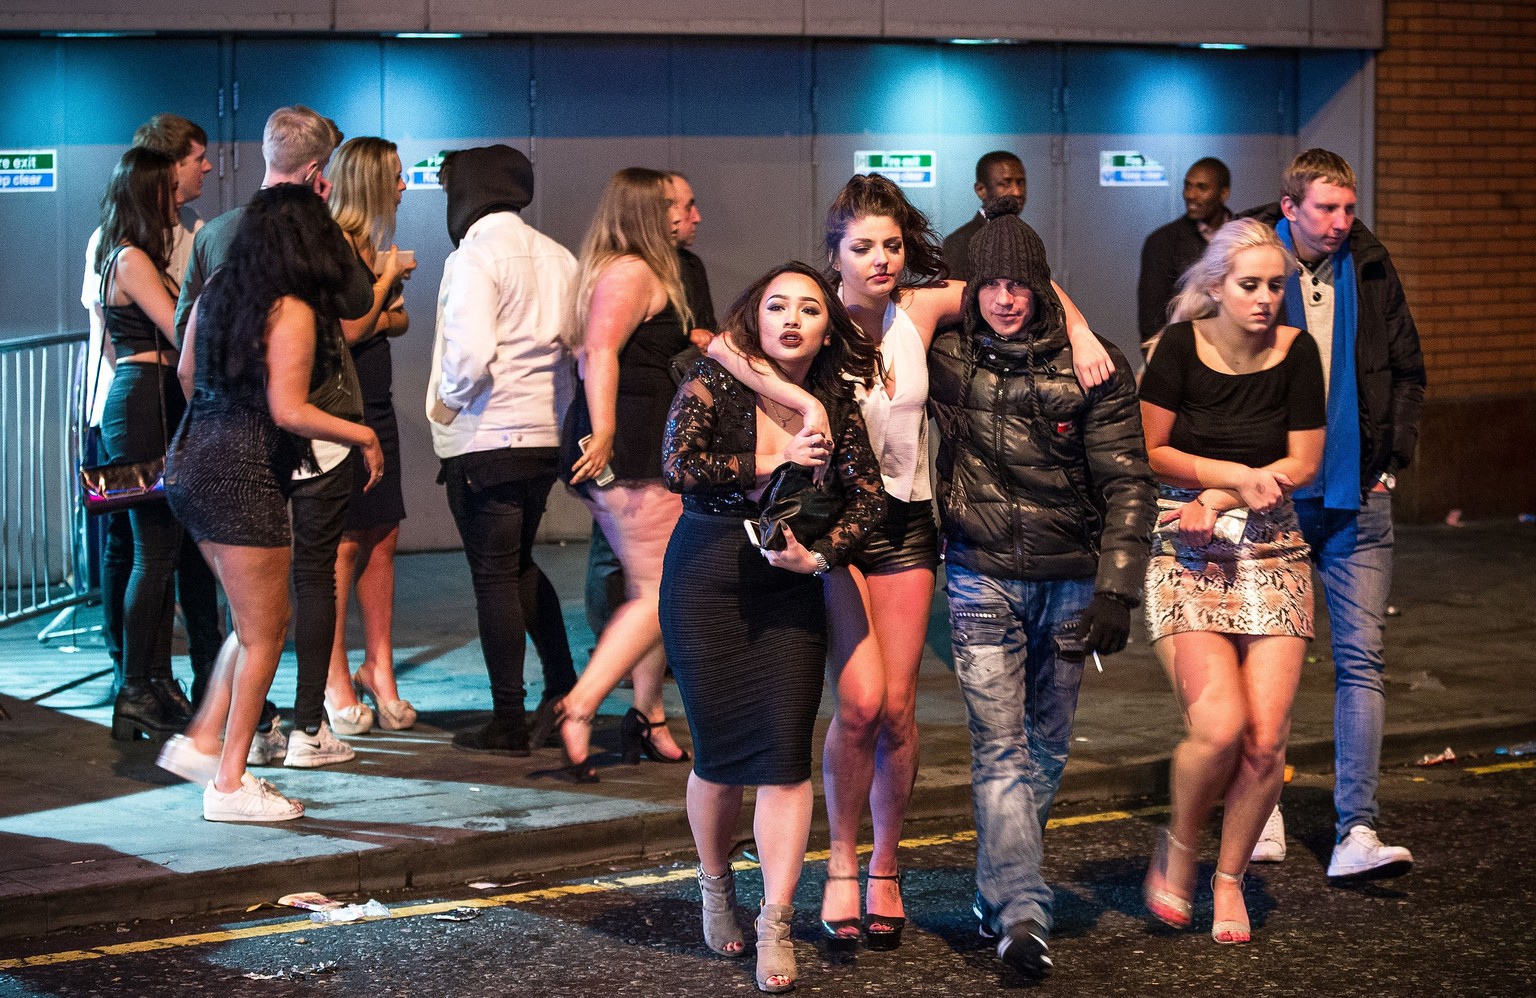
{"x": 1338, "y": 481}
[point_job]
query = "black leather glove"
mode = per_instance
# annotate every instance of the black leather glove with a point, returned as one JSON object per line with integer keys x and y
{"x": 1105, "y": 624}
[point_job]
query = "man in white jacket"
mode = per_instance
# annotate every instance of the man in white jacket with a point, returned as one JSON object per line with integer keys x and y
{"x": 498, "y": 368}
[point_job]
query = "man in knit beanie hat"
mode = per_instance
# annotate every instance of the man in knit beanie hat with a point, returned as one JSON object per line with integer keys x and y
{"x": 1047, "y": 505}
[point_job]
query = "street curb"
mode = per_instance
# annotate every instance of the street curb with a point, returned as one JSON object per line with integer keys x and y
{"x": 505, "y": 855}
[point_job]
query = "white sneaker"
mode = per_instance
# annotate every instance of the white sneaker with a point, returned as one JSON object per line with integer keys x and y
{"x": 180, "y": 756}
{"x": 354, "y": 720}
{"x": 1271, "y": 845}
{"x": 255, "y": 800}
{"x": 268, "y": 747}
{"x": 307, "y": 751}
{"x": 1361, "y": 856}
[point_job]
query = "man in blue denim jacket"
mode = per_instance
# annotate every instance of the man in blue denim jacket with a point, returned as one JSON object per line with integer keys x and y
{"x": 1047, "y": 505}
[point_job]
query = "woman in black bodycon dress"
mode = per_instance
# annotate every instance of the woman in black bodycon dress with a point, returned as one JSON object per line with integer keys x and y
{"x": 366, "y": 185}
{"x": 745, "y": 631}
{"x": 256, "y": 345}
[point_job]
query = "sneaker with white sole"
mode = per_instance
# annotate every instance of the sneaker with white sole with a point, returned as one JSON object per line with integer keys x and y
{"x": 354, "y": 720}
{"x": 253, "y": 800}
{"x": 306, "y": 751}
{"x": 268, "y": 747}
{"x": 1024, "y": 948}
{"x": 1361, "y": 856}
{"x": 1271, "y": 845}
{"x": 180, "y": 756}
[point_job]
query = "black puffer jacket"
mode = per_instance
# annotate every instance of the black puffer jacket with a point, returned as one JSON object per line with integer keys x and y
{"x": 1039, "y": 479}
{"x": 1389, "y": 366}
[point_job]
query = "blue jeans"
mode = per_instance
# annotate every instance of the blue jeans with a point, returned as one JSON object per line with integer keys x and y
{"x": 1353, "y": 554}
{"x": 1020, "y": 694}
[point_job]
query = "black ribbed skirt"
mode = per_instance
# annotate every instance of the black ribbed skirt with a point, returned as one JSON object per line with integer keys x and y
{"x": 747, "y": 643}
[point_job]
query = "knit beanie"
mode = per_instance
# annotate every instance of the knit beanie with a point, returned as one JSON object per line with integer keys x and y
{"x": 1007, "y": 247}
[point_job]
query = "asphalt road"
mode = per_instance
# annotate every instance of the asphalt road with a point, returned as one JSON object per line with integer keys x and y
{"x": 1460, "y": 924}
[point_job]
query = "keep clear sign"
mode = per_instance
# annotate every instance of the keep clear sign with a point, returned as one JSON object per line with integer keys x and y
{"x": 423, "y": 175}
{"x": 905, "y": 169}
{"x": 1129, "y": 168}
{"x": 33, "y": 170}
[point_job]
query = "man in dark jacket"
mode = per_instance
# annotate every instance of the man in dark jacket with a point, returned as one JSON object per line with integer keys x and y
{"x": 1047, "y": 506}
{"x": 1170, "y": 250}
{"x": 1349, "y": 298}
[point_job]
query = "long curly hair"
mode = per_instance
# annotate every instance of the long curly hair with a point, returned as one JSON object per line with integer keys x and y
{"x": 632, "y": 219}
{"x": 139, "y": 206}
{"x": 876, "y": 196}
{"x": 286, "y": 244}
{"x": 847, "y": 352}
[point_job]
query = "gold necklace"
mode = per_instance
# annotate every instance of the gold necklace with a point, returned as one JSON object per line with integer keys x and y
{"x": 783, "y": 421}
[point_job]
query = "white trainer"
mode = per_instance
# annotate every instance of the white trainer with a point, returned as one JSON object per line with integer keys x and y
{"x": 180, "y": 756}
{"x": 307, "y": 751}
{"x": 268, "y": 747}
{"x": 354, "y": 720}
{"x": 1271, "y": 845}
{"x": 254, "y": 800}
{"x": 1361, "y": 856}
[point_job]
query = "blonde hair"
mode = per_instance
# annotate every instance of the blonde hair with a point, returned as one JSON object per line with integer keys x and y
{"x": 296, "y": 136}
{"x": 363, "y": 185}
{"x": 631, "y": 220}
{"x": 1315, "y": 164}
{"x": 1205, "y": 275}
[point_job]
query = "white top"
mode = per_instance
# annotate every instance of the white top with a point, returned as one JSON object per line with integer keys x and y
{"x": 90, "y": 287}
{"x": 497, "y": 357}
{"x": 898, "y": 424}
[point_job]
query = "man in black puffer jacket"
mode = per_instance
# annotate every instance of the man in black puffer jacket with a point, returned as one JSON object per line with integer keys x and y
{"x": 1047, "y": 506}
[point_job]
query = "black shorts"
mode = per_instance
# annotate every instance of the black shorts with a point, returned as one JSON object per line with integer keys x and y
{"x": 905, "y": 538}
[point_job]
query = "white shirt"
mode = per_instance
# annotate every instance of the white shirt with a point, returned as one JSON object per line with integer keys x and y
{"x": 898, "y": 424}
{"x": 497, "y": 356}
{"x": 96, "y": 361}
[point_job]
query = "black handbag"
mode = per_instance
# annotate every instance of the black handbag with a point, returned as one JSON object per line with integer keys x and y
{"x": 793, "y": 499}
{"x": 105, "y": 488}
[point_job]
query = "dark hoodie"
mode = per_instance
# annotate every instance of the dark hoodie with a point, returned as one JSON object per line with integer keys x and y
{"x": 1038, "y": 478}
{"x": 482, "y": 181}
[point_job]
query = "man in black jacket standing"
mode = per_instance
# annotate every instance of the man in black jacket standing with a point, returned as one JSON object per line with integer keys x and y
{"x": 1349, "y": 298}
{"x": 1170, "y": 250}
{"x": 1047, "y": 505}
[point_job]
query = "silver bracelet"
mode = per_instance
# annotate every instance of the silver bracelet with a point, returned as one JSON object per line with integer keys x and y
{"x": 822, "y": 566}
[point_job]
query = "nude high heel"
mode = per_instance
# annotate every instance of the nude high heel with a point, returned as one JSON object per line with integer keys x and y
{"x": 1231, "y": 931}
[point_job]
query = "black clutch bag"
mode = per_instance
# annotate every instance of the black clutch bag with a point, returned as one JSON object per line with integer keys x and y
{"x": 793, "y": 499}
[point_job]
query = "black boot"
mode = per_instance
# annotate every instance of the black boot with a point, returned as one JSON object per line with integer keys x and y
{"x": 138, "y": 710}
{"x": 177, "y": 707}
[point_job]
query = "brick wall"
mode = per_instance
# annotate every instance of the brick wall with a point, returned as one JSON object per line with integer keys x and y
{"x": 1456, "y": 205}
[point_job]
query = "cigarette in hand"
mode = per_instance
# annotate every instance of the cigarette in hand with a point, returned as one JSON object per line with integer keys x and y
{"x": 1096, "y": 663}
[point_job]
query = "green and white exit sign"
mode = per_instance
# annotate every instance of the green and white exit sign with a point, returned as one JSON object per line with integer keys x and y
{"x": 29, "y": 170}
{"x": 903, "y": 168}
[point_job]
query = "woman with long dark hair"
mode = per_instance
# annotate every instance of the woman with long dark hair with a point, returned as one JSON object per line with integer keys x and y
{"x": 883, "y": 259}
{"x": 263, "y": 332}
{"x": 746, "y": 634}
{"x": 138, "y": 307}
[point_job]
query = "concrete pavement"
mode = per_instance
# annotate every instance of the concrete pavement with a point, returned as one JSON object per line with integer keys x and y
{"x": 91, "y": 831}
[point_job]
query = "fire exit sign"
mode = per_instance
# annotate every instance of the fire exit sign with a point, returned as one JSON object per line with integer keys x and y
{"x": 33, "y": 170}
{"x": 903, "y": 168}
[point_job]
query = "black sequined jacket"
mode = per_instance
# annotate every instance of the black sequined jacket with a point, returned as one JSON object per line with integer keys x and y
{"x": 710, "y": 456}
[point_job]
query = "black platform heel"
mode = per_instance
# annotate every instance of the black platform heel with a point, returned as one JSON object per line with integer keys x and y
{"x": 835, "y": 931}
{"x": 888, "y": 937}
{"x": 635, "y": 737}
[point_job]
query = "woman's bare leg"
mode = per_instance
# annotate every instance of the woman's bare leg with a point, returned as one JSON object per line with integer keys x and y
{"x": 376, "y": 604}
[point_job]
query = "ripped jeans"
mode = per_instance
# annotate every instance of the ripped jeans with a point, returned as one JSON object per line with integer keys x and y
{"x": 1020, "y": 690}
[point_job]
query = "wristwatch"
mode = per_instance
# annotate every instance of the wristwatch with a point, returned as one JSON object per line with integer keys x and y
{"x": 1389, "y": 480}
{"x": 822, "y": 566}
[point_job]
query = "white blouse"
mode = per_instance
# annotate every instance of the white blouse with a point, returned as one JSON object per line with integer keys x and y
{"x": 898, "y": 424}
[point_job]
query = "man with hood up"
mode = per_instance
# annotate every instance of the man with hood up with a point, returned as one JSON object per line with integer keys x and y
{"x": 499, "y": 377}
{"x": 1047, "y": 504}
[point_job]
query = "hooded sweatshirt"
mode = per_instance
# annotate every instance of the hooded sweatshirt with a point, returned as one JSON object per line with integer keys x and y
{"x": 498, "y": 363}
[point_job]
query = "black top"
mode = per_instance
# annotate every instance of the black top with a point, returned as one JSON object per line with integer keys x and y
{"x": 129, "y": 327}
{"x": 1166, "y": 254}
{"x": 1234, "y": 417}
{"x": 645, "y": 392}
{"x": 696, "y": 290}
{"x": 710, "y": 457}
{"x": 957, "y": 248}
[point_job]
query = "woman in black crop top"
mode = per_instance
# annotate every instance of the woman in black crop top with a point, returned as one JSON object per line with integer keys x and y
{"x": 142, "y": 409}
{"x": 1232, "y": 407}
{"x": 745, "y": 630}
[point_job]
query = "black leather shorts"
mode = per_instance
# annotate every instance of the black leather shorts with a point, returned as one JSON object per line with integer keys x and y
{"x": 906, "y": 538}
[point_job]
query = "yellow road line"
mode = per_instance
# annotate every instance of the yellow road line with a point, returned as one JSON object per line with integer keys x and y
{"x": 1503, "y": 767}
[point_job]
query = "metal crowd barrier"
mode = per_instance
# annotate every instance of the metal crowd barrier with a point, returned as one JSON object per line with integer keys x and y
{"x": 44, "y": 563}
